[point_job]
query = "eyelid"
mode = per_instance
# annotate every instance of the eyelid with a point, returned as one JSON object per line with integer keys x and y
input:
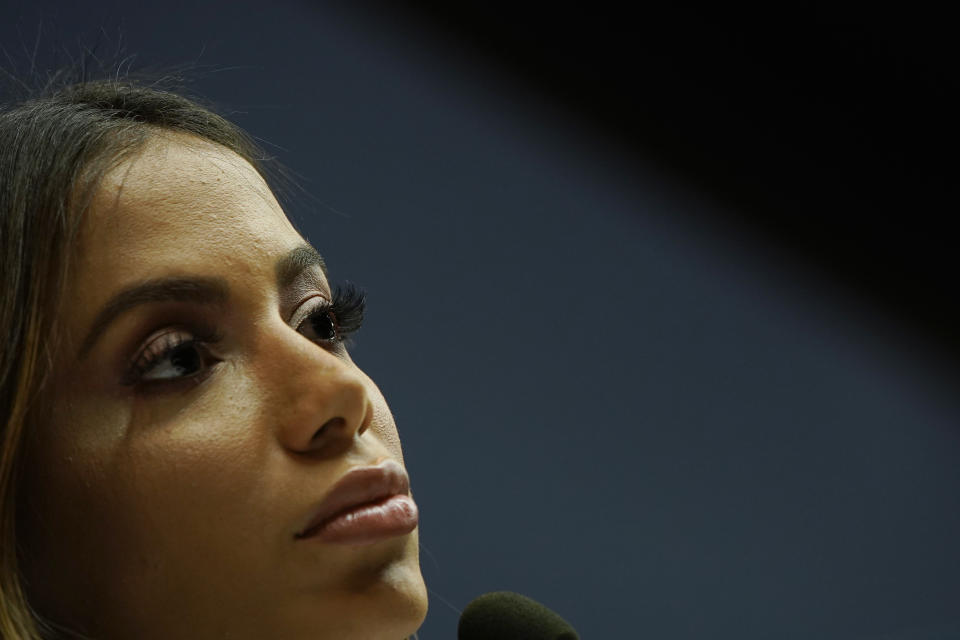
{"x": 308, "y": 284}
{"x": 158, "y": 343}
{"x": 161, "y": 342}
{"x": 304, "y": 310}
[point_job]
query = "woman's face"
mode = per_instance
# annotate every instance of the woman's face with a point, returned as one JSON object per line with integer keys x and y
{"x": 193, "y": 429}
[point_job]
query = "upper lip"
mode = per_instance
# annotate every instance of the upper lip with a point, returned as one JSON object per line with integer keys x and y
{"x": 359, "y": 486}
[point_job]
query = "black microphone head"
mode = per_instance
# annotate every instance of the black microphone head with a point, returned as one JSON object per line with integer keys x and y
{"x": 503, "y": 615}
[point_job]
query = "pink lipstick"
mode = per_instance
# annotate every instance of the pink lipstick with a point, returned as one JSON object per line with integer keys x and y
{"x": 366, "y": 505}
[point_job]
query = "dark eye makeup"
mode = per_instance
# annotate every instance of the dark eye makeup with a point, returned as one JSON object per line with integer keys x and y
{"x": 182, "y": 354}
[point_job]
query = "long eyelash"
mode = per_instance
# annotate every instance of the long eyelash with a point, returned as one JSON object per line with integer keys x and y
{"x": 200, "y": 335}
{"x": 348, "y": 307}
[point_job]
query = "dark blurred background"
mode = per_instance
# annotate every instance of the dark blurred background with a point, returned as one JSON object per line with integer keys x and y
{"x": 662, "y": 296}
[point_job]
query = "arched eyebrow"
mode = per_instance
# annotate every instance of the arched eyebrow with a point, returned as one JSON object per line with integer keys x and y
{"x": 196, "y": 289}
{"x": 295, "y": 262}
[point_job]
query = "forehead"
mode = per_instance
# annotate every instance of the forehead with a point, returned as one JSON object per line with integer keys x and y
{"x": 181, "y": 206}
{"x": 185, "y": 196}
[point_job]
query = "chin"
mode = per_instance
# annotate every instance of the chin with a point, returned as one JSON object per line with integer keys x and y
{"x": 401, "y": 597}
{"x": 388, "y": 602}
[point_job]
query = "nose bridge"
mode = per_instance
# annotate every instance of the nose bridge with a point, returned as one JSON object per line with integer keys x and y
{"x": 320, "y": 401}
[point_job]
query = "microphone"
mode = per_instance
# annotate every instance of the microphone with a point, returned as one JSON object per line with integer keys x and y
{"x": 503, "y": 615}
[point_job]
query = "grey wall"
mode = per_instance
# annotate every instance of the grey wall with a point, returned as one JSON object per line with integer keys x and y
{"x": 655, "y": 426}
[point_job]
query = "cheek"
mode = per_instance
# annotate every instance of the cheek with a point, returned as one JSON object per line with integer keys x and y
{"x": 184, "y": 466}
{"x": 115, "y": 487}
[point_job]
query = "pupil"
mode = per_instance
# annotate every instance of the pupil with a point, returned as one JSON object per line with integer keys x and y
{"x": 324, "y": 327}
{"x": 185, "y": 358}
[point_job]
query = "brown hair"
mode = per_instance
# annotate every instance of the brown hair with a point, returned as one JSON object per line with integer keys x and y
{"x": 54, "y": 149}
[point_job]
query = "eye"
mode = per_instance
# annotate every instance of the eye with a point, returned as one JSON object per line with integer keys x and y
{"x": 177, "y": 354}
{"x": 320, "y": 325}
{"x": 334, "y": 321}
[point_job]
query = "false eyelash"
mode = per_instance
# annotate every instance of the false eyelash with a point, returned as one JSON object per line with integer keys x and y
{"x": 201, "y": 336}
{"x": 348, "y": 306}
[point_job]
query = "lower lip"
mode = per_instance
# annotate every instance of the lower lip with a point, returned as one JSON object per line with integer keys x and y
{"x": 369, "y": 523}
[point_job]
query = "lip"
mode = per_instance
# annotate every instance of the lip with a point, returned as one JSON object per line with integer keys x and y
{"x": 367, "y": 504}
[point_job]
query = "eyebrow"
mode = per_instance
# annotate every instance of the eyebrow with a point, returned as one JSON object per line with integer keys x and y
{"x": 195, "y": 289}
{"x": 295, "y": 262}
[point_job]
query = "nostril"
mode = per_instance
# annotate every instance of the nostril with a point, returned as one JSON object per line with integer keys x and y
{"x": 330, "y": 425}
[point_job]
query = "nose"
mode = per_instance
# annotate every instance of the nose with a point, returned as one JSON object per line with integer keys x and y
{"x": 322, "y": 404}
